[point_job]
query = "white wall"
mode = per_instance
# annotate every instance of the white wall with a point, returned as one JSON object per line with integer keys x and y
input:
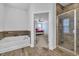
{"x": 1, "y": 16}
{"x": 42, "y": 7}
{"x": 12, "y": 19}
{"x": 52, "y": 27}
{"x": 16, "y": 19}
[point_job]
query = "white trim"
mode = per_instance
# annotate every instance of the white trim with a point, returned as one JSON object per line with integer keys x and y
{"x": 32, "y": 31}
{"x": 75, "y": 31}
{"x": 41, "y": 12}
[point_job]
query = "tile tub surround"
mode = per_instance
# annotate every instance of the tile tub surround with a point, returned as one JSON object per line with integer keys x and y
{"x": 13, "y": 33}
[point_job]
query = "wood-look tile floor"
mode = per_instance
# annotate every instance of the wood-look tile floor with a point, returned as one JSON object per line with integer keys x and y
{"x": 41, "y": 41}
{"x": 28, "y": 51}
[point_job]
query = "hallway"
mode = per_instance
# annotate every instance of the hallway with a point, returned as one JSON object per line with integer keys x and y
{"x": 42, "y": 41}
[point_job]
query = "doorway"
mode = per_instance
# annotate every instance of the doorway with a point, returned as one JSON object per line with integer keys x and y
{"x": 41, "y": 29}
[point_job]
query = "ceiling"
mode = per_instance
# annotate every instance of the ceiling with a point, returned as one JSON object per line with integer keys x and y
{"x": 23, "y": 6}
{"x": 64, "y": 4}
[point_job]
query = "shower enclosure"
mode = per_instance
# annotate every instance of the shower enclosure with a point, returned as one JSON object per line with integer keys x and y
{"x": 68, "y": 31}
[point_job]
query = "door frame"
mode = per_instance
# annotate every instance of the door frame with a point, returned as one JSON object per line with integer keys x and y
{"x": 34, "y": 24}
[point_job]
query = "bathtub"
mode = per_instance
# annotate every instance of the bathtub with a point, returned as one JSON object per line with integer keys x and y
{"x": 13, "y": 43}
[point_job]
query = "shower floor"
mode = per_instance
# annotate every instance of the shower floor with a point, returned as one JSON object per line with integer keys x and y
{"x": 68, "y": 43}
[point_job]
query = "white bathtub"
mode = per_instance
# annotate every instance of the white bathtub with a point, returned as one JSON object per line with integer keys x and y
{"x": 13, "y": 43}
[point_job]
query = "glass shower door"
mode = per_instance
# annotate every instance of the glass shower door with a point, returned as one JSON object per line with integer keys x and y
{"x": 67, "y": 30}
